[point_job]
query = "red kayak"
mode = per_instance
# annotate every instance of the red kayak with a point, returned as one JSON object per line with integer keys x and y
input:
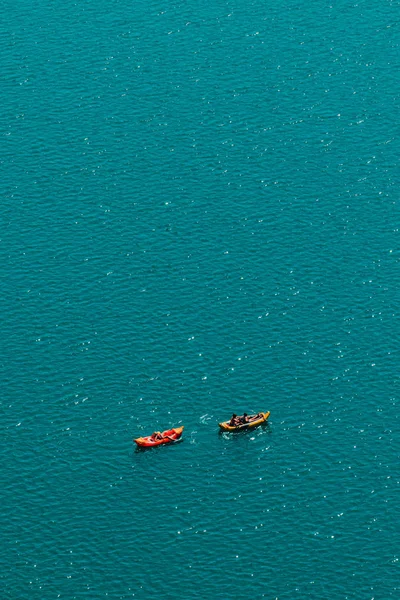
{"x": 168, "y": 437}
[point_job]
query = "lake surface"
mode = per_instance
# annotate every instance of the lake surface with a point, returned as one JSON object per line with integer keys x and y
{"x": 200, "y": 215}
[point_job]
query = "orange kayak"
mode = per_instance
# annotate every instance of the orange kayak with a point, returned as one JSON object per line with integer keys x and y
{"x": 169, "y": 436}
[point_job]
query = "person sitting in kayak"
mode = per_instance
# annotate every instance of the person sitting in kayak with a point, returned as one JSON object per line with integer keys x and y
{"x": 157, "y": 436}
{"x": 245, "y": 419}
{"x": 234, "y": 421}
{"x": 252, "y": 418}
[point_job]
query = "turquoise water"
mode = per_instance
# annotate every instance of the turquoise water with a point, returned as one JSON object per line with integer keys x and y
{"x": 200, "y": 215}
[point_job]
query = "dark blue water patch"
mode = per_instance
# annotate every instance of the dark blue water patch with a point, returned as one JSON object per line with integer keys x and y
{"x": 199, "y": 216}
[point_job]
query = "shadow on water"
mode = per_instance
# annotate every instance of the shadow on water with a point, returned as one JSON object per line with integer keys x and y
{"x": 245, "y": 431}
